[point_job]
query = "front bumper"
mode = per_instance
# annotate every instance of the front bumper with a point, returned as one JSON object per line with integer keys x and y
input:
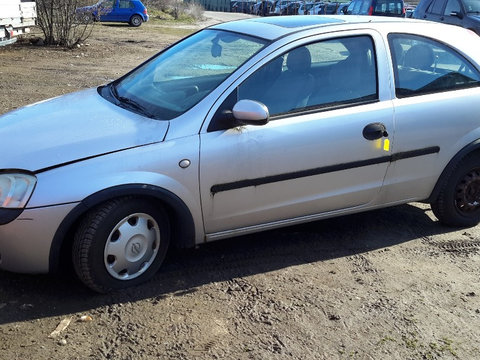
{"x": 26, "y": 241}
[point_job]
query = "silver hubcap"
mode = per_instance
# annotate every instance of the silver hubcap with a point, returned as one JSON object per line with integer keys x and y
{"x": 132, "y": 246}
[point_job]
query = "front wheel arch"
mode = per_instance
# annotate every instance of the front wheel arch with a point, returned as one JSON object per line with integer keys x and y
{"x": 120, "y": 243}
{"x": 180, "y": 218}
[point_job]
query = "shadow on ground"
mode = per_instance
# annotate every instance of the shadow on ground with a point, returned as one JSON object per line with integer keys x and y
{"x": 184, "y": 271}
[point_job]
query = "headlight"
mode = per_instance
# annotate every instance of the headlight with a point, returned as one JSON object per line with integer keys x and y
{"x": 16, "y": 189}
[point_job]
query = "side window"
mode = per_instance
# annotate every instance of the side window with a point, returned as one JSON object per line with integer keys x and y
{"x": 436, "y": 7}
{"x": 452, "y": 6}
{"x": 389, "y": 7}
{"x": 332, "y": 72}
{"x": 125, "y": 4}
{"x": 425, "y": 66}
{"x": 355, "y": 7}
{"x": 364, "y": 7}
{"x": 285, "y": 84}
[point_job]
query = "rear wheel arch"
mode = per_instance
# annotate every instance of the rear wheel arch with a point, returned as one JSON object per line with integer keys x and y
{"x": 179, "y": 216}
{"x": 136, "y": 20}
{"x": 456, "y": 196}
{"x": 473, "y": 147}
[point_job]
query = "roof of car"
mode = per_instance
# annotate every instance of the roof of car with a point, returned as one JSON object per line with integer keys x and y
{"x": 274, "y": 27}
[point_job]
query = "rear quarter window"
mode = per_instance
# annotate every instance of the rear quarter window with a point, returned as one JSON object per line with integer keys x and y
{"x": 424, "y": 66}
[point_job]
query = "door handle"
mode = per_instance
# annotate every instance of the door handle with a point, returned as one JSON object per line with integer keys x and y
{"x": 374, "y": 131}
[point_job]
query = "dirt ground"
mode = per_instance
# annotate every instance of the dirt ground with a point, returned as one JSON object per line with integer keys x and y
{"x": 389, "y": 284}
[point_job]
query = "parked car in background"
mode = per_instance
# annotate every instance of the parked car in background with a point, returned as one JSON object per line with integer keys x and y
{"x": 305, "y": 7}
{"x": 130, "y": 11}
{"x": 263, "y": 8}
{"x": 409, "y": 9}
{"x": 16, "y": 18}
{"x": 465, "y": 13}
{"x": 291, "y": 8}
{"x": 395, "y": 8}
{"x": 328, "y": 8}
{"x": 272, "y": 121}
{"x": 342, "y": 8}
{"x": 245, "y": 7}
{"x": 280, "y": 6}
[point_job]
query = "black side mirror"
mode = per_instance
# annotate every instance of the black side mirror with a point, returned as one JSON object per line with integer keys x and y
{"x": 457, "y": 14}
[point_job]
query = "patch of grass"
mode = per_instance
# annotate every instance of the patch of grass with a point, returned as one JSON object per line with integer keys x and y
{"x": 157, "y": 15}
{"x": 172, "y": 30}
{"x": 411, "y": 341}
{"x": 446, "y": 345}
{"x": 386, "y": 339}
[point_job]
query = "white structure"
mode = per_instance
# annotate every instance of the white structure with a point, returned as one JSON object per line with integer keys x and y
{"x": 16, "y": 18}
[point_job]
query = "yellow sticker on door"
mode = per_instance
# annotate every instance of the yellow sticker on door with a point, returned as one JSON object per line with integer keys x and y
{"x": 386, "y": 145}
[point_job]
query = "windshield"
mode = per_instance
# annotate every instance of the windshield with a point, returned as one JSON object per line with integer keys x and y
{"x": 178, "y": 78}
{"x": 472, "y": 6}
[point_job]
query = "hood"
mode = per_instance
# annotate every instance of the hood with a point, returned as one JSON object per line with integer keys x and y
{"x": 70, "y": 128}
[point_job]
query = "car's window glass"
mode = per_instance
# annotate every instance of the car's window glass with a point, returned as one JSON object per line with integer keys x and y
{"x": 424, "y": 66}
{"x": 125, "y": 4}
{"x": 472, "y": 6}
{"x": 388, "y": 7}
{"x": 322, "y": 74}
{"x": 355, "y": 6}
{"x": 181, "y": 76}
{"x": 452, "y": 6}
{"x": 364, "y": 7}
{"x": 436, "y": 7}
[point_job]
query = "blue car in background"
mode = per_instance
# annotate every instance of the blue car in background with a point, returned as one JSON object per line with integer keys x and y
{"x": 130, "y": 11}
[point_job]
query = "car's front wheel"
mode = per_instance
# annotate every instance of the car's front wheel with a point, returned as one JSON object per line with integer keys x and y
{"x": 458, "y": 202}
{"x": 136, "y": 20}
{"x": 120, "y": 243}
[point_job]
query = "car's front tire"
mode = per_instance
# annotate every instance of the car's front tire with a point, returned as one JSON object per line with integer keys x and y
{"x": 458, "y": 202}
{"x": 120, "y": 243}
{"x": 136, "y": 20}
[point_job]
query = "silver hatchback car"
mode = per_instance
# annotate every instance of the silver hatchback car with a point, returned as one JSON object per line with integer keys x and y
{"x": 242, "y": 127}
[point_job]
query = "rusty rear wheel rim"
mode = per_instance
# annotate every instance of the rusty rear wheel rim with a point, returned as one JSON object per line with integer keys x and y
{"x": 467, "y": 192}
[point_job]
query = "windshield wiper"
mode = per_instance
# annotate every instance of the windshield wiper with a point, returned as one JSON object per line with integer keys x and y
{"x": 129, "y": 104}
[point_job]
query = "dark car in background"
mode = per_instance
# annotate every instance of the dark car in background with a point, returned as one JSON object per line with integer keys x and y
{"x": 394, "y": 8}
{"x": 291, "y": 8}
{"x": 465, "y": 13}
{"x": 244, "y": 7}
{"x": 130, "y": 11}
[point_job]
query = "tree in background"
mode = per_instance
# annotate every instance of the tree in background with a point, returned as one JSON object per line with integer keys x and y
{"x": 60, "y": 24}
{"x": 176, "y": 8}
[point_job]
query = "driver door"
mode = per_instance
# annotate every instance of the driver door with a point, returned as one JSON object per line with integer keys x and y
{"x": 308, "y": 161}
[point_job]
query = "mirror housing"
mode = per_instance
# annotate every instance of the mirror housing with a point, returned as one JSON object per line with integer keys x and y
{"x": 457, "y": 14}
{"x": 250, "y": 112}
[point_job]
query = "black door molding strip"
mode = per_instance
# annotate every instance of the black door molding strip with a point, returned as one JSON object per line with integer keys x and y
{"x": 323, "y": 170}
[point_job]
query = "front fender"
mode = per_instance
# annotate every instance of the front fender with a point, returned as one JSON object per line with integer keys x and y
{"x": 183, "y": 223}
